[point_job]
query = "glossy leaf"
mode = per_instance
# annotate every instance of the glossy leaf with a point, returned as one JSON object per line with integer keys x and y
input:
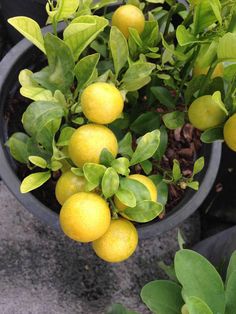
{"x": 227, "y": 47}
{"x": 125, "y": 145}
{"x": 59, "y": 73}
{"x": 232, "y": 266}
{"x": 64, "y": 10}
{"x": 162, "y": 297}
{"x": 34, "y": 180}
{"x": 146, "y": 122}
{"x": 110, "y": 182}
{"x": 126, "y": 197}
{"x": 164, "y": 96}
{"x": 137, "y": 188}
{"x": 119, "y": 51}
{"x": 174, "y": 120}
{"x": 146, "y": 148}
{"x": 230, "y": 293}
{"x": 144, "y": 211}
{"x": 198, "y": 165}
{"x": 38, "y": 161}
{"x": 203, "y": 16}
{"x": 18, "y": 145}
{"x": 119, "y": 309}
{"x": 85, "y": 70}
{"x": 184, "y": 37}
{"x": 213, "y": 134}
{"x": 202, "y": 281}
{"x": 163, "y": 143}
{"x": 65, "y": 136}
{"x": 146, "y": 166}
{"x": 150, "y": 34}
{"x": 94, "y": 173}
{"x": 162, "y": 188}
{"x": 193, "y": 185}
{"x": 82, "y": 31}
{"x": 197, "y": 306}
{"x": 29, "y": 29}
{"x": 121, "y": 165}
{"x": 106, "y": 157}
{"x": 176, "y": 171}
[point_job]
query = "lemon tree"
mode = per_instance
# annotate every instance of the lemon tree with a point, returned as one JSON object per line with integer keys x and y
{"x": 85, "y": 217}
{"x": 67, "y": 185}
{"x": 128, "y": 16}
{"x": 118, "y": 243}
{"x": 102, "y": 103}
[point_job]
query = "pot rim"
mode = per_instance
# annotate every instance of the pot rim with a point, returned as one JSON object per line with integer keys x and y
{"x": 183, "y": 210}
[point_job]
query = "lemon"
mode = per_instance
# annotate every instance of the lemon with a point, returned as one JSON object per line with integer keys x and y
{"x": 88, "y": 141}
{"x": 205, "y": 113}
{"x": 67, "y": 185}
{"x": 230, "y": 132}
{"x": 145, "y": 181}
{"x": 118, "y": 243}
{"x": 218, "y": 71}
{"x": 85, "y": 217}
{"x": 102, "y": 103}
{"x": 128, "y": 16}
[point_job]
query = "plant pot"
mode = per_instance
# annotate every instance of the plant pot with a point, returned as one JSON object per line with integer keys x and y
{"x": 218, "y": 248}
{"x": 24, "y": 55}
{"x": 34, "y": 9}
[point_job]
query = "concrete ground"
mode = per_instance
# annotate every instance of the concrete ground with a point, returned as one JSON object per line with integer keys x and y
{"x": 43, "y": 272}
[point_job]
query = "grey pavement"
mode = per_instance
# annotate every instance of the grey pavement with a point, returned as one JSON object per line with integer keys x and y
{"x": 43, "y": 272}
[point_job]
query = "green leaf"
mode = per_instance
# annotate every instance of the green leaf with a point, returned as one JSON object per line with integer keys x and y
{"x": 181, "y": 241}
{"x": 144, "y": 211}
{"x": 65, "y": 136}
{"x": 56, "y": 165}
{"x": 139, "y": 190}
{"x": 213, "y": 134}
{"x": 184, "y": 37}
{"x": 125, "y": 145}
{"x": 82, "y": 31}
{"x": 146, "y": 122}
{"x": 110, "y": 182}
{"x": 150, "y": 34}
{"x": 163, "y": 95}
{"x": 227, "y": 47}
{"x": 204, "y": 16}
{"x": 216, "y": 8}
{"x": 119, "y": 309}
{"x": 119, "y": 51}
{"x": 121, "y": 166}
{"x": 29, "y": 29}
{"x": 193, "y": 86}
{"x": 163, "y": 143}
{"x": 162, "y": 296}
{"x": 64, "y": 10}
{"x": 147, "y": 146}
{"x": 201, "y": 281}
{"x": 193, "y": 185}
{"x": 77, "y": 171}
{"x": 230, "y": 72}
{"x": 85, "y": 70}
{"x": 106, "y": 157}
{"x": 94, "y": 173}
{"x": 38, "y": 161}
{"x": 126, "y": 197}
{"x": 137, "y": 76}
{"x": 197, "y": 306}
{"x": 34, "y": 180}
{"x": 232, "y": 266}
{"x": 176, "y": 171}
{"x": 18, "y": 145}
{"x": 59, "y": 73}
{"x": 230, "y": 293}
{"x": 146, "y": 166}
{"x": 198, "y": 165}
{"x": 174, "y": 120}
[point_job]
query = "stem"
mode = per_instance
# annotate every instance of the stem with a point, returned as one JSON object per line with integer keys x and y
{"x": 171, "y": 13}
{"x": 188, "y": 19}
{"x": 207, "y": 78}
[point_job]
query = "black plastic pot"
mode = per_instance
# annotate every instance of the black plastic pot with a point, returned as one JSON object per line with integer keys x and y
{"x": 218, "y": 248}
{"x": 24, "y": 55}
{"x": 31, "y": 8}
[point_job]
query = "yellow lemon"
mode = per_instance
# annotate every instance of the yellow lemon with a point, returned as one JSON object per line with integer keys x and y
{"x": 205, "y": 113}
{"x": 145, "y": 181}
{"x": 88, "y": 141}
{"x": 218, "y": 71}
{"x": 85, "y": 217}
{"x": 230, "y": 132}
{"x": 128, "y": 16}
{"x": 102, "y": 103}
{"x": 118, "y": 243}
{"x": 67, "y": 185}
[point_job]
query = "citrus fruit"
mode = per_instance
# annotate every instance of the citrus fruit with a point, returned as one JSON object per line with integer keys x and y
{"x": 85, "y": 217}
{"x": 118, "y": 243}
{"x": 230, "y": 132}
{"x": 205, "y": 113}
{"x": 145, "y": 181}
{"x": 88, "y": 141}
{"x": 67, "y": 185}
{"x": 218, "y": 71}
{"x": 102, "y": 103}
{"x": 128, "y": 16}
